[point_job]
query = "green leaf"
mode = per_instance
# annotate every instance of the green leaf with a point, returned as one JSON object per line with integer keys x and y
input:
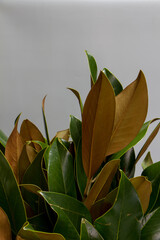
{"x": 153, "y": 174}
{"x": 80, "y": 173}
{"x": 88, "y": 232}
{"x": 60, "y": 170}
{"x": 139, "y": 136}
{"x": 76, "y": 93}
{"x": 151, "y": 230}
{"x": 3, "y": 138}
{"x": 75, "y": 130}
{"x": 70, "y": 212}
{"x": 147, "y": 161}
{"x": 114, "y": 81}
{"x": 92, "y": 67}
{"x": 11, "y": 200}
{"x": 128, "y": 163}
{"x": 28, "y": 233}
{"x": 45, "y": 122}
{"x": 97, "y": 124}
{"x": 34, "y": 174}
{"x": 121, "y": 221}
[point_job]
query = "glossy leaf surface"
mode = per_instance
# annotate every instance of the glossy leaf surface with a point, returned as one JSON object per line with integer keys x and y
{"x": 28, "y": 233}
{"x": 70, "y": 212}
{"x": 128, "y": 161}
{"x": 151, "y": 230}
{"x": 114, "y": 81}
{"x": 92, "y": 67}
{"x": 88, "y": 232}
{"x": 131, "y": 110}
{"x": 121, "y": 221}
{"x": 11, "y": 200}
{"x": 147, "y": 161}
{"x": 75, "y": 130}
{"x": 60, "y": 169}
{"x": 97, "y": 124}
{"x": 102, "y": 185}
{"x": 3, "y": 138}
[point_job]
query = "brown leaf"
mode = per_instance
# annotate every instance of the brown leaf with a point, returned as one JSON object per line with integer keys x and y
{"x": 102, "y": 185}
{"x": 5, "y": 229}
{"x": 131, "y": 110}
{"x": 143, "y": 188}
{"x": 76, "y": 93}
{"x": 30, "y": 132}
{"x": 97, "y": 124}
{"x": 64, "y": 134}
{"x": 13, "y": 150}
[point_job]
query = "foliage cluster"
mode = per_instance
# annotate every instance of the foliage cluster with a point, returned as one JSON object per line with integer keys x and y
{"x": 80, "y": 185}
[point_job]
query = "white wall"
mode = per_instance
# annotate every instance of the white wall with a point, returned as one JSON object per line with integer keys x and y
{"x": 42, "y": 47}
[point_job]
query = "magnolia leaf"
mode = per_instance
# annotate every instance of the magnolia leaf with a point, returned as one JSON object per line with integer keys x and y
{"x": 64, "y": 134}
{"x": 151, "y": 230}
{"x": 28, "y": 233}
{"x": 11, "y": 200}
{"x": 29, "y": 132}
{"x": 102, "y": 185}
{"x": 76, "y": 93}
{"x": 5, "y": 229}
{"x": 13, "y": 149}
{"x": 114, "y": 81}
{"x": 3, "y": 138}
{"x": 139, "y": 136}
{"x": 121, "y": 221}
{"x": 101, "y": 206}
{"x": 75, "y": 130}
{"x": 148, "y": 142}
{"x": 60, "y": 169}
{"x": 143, "y": 188}
{"x": 153, "y": 174}
{"x": 88, "y": 232}
{"x": 147, "y": 161}
{"x": 92, "y": 67}
{"x": 70, "y": 212}
{"x": 131, "y": 110}
{"x": 128, "y": 163}
{"x": 97, "y": 124}
{"x": 44, "y": 119}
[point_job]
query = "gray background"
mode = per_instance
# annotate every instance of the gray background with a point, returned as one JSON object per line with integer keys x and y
{"x": 42, "y": 46}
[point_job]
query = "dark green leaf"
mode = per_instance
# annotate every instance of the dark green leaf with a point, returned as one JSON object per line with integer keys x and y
{"x": 45, "y": 122}
{"x": 114, "y": 81}
{"x": 92, "y": 67}
{"x": 11, "y": 201}
{"x": 153, "y": 174}
{"x": 151, "y": 230}
{"x": 121, "y": 221}
{"x": 127, "y": 163}
{"x": 60, "y": 169}
{"x": 88, "y": 232}
{"x": 75, "y": 130}
{"x": 70, "y": 212}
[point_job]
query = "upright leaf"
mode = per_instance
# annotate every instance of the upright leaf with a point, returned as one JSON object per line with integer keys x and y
{"x": 92, "y": 67}
{"x": 60, "y": 169}
{"x": 114, "y": 81}
{"x": 102, "y": 185}
{"x": 13, "y": 149}
{"x": 11, "y": 201}
{"x": 131, "y": 110}
{"x": 75, "y": 130}
{"x": 128, "y": 161}
{"x": 76, "y": 93}
{"x": 97, "y": 124}
{"x": 3, "y": 138}
{"x": 44, "y": 119}
{"x": 29, "y": 132}
{"x": 151, "y": 230}
{"x": 147, "y": 161}
{"x": 88, "y": 232}
{"x": 70, "y": 212}
{"x": 121, "y": 221}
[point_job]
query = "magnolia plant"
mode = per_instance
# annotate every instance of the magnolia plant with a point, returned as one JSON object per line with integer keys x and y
{"x": 80, "y": 185}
